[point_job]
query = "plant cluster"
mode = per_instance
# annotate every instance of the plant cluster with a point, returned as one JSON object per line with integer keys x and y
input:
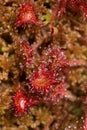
{"x": 43, "y": 65}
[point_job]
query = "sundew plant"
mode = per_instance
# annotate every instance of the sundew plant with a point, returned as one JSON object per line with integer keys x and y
{"x": 43, "y": 65}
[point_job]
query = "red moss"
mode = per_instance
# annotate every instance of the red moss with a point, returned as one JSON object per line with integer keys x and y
{"x": 26, "y": 15}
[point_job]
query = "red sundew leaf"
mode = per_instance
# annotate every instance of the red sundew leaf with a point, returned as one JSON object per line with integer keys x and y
{"x": 21, "y": 102}
{"x": 57, "y": 59}
{"x": 84, "y": 10}
{"x": 85, "y": 122}
{"x": 58, "y": 92}
{"x": 42, "y": 81}
{"x": 83, "y": 2}
{"x": 59, "y": 55}
{"x": 27, "y": 51}
{"x": 59, "y": 9}
{"x": 78, "y": 6}
{"x": 26, "y": 15}
{"x": 74, "y": 5}
{"x": 85, "y": 108}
